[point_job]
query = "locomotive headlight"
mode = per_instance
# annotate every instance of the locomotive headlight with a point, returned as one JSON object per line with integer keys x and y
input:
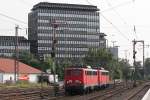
{"x": 77, "y": 81}
{"x": 69, "y": 81}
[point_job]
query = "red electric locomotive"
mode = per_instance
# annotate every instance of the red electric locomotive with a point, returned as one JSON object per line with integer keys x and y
{"x": 103, "y": 78}
{"x": 85, "y": 79}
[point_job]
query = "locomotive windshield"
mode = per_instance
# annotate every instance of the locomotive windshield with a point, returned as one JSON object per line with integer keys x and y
{"x": 75, "y": 72}
{"x": 105, "y": 73}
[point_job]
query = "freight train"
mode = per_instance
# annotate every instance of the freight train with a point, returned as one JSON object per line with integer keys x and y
{"x": 81, "y": 80}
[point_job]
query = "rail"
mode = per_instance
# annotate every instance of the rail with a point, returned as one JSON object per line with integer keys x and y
{"x": 140, "y": 92}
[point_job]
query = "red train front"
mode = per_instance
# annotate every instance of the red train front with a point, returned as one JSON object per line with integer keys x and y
{"x": 85, "y": 79}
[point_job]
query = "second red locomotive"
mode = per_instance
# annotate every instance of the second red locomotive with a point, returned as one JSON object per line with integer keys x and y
{"x": 85, "y": 79}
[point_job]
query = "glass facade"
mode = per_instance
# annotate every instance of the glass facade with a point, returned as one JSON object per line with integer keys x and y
{"x": 77, "y": 31}
{"x": 7, "y": 45}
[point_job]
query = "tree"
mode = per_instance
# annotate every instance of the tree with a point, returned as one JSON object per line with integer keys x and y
{"x": 25, "y": 57}
{"x": 147, "y": 67}
{"x": 103, "y": 58}
{"x": 125, "y": 69}
{"x": 62, "y": 66}
{"x": 48, "y": 64}
{"x": 29, "y": 59}
{"x": 34, "y": 63}
{"x": 114, "y": 69}
{"x": 139, "y": 70}
{"x": 100, "y": 57}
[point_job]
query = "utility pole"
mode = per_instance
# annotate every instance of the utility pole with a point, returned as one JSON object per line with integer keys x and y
{"x": 143, "y": 59}
{"x": 53, "y": 53}
{"x": 16, "y": 63}
{"x": 134, "y": 57}
{"x": 106, "y": 41}
{"x": 113, "y": 43}
{"x": 125, "y": 51}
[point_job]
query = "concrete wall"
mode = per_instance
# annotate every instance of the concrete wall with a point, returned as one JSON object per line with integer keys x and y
{"x": 7, "y": 77}
{"x": 33, "y": 78}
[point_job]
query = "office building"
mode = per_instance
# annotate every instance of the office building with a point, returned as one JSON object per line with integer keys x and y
{"x": 78, "y": 29}
{"x": 8, "y": 44}
{"x": 114, "y": 51}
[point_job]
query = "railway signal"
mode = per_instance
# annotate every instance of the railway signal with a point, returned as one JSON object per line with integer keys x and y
{"x": 134, "y": 58}
{"x": 55, "y": 25}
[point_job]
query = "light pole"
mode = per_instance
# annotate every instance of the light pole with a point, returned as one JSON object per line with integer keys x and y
{"x": 113, "y": 42}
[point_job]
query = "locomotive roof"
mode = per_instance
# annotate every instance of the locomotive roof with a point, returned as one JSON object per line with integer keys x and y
{"x": 102, "y": 70}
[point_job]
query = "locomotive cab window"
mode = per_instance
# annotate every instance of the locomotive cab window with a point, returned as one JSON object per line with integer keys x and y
{"x": 91, "y": 73}
{"x": 104, "y": 73}
{"x": 73, "y": 72}
{"x": 68, "y": 72}
{"x": 88, "y": 73}
{"x": 94, "y": 73}
{"x": 76, "y": 72}
{"x": 107, "y": 73}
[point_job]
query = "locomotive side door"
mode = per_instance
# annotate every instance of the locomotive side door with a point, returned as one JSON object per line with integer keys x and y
{"x": 99, "y": 78}
{"x": 85, "y": 78}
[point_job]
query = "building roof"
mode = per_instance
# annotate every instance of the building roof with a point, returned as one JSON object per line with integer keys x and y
{"x": 65, "y": 6}
{"x": 7, "y": 66}
{"x": 11, "y": 38}
{"x": 103, "y": 34}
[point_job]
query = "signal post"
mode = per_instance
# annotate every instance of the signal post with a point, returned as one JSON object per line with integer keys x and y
{"x": 134, "y": 60}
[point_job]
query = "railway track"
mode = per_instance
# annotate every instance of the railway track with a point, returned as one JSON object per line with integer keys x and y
{"x": 109, "y": 94}
{"x": 93, "y": 95}
{"x": 48, "y": 94}
{"x": 139, "y": 94}
{"x": 25, "y": 94}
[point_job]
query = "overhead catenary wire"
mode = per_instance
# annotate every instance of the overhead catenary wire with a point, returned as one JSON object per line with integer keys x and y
{"x": 119, "y": 5}
{"x": 25, "y": 2}
{"x": 109, "y": 4}
{"x": 135, "y": 31}
{"x": 115, "y": 27}
{"x": 12, "y": 18}
{"x": 5, "y": 29}
{"x": 110, "y": 21}
{"x": 89, "y": 2}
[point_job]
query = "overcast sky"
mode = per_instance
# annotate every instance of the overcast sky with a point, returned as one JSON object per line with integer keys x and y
{"x": 117, "y": 20}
